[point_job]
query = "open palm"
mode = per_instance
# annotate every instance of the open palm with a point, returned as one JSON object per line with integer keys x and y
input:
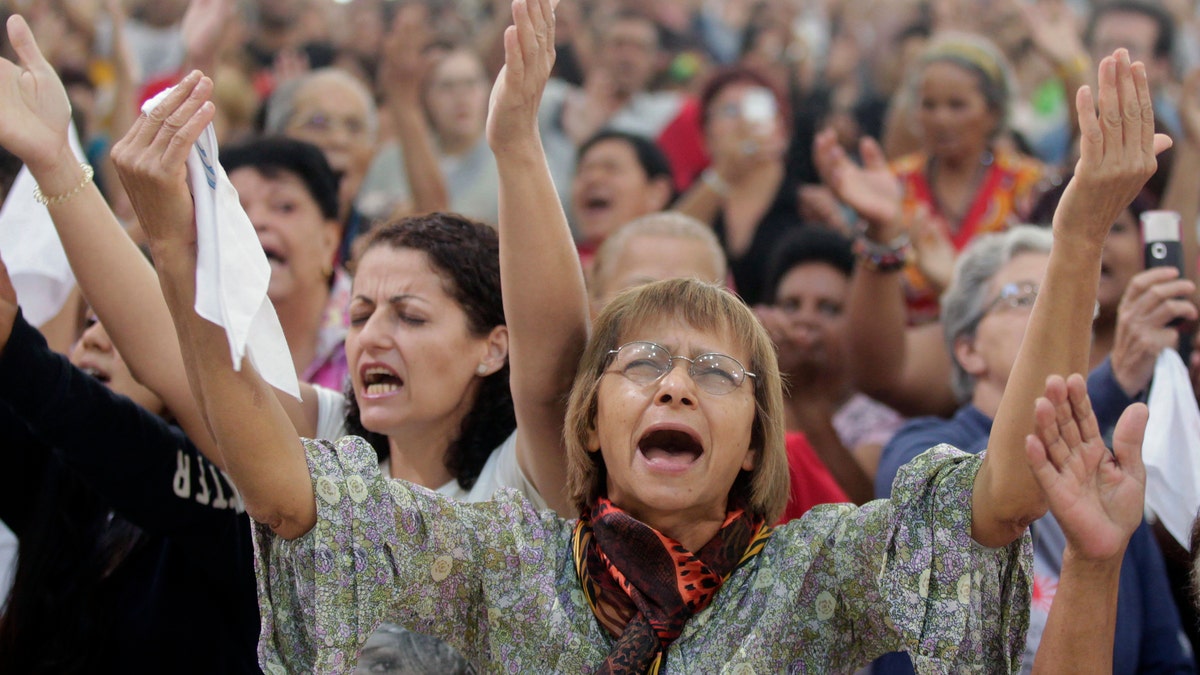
{"x": 872, "y": 189}
{"x": 528, "y": 59}
{"x": 34, "y": 110}
{"x": 1097, "y": 496}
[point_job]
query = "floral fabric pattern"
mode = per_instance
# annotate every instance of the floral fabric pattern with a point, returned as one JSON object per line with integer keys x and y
{"x": 496, "y": 580}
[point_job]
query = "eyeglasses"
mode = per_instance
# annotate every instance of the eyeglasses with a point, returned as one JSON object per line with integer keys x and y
{"x": 321, "y": 123}
{"x": 1015, "y": 295}
{"x": 647, "y": 362}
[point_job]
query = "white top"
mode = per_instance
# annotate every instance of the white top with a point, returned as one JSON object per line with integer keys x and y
{"x": 502, "y": 470}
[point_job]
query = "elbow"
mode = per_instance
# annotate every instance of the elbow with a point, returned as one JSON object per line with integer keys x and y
{"x": 283, "y": 524}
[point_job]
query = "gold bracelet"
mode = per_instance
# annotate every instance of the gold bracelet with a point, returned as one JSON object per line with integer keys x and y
{"x": 88, "y": 174}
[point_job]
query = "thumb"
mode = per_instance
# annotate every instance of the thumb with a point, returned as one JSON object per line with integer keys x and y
{"x": 1127, "y": 440}
{"x": 26, "y": 47}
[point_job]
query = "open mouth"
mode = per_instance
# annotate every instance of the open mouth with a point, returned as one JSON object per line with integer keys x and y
{"x": 379, "y": 381}
{"x": 273, "y": 256}
{"x": 100, "y": 375}
{"x": 594, "y": 204}
{"x": 670, "y": 448}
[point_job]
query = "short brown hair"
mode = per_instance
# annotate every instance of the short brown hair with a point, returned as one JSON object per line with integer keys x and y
{"x": 762, "y": 491}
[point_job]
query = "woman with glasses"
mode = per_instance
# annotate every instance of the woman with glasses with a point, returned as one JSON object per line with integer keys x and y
{"x": 429, "y": 347}
{"x": 986, "y": 313}
{"x": 675, "y": 467}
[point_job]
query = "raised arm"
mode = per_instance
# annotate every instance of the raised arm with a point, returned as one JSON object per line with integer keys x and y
{"x": 1097, "y": 498}
{"x": 545, "y": 302}
{"x": 1117, "y": 155}
{"x": 115, "y": 277}
{"x": 262, "y": 453}
{"x": 906, "y": 368}
{"x": 403, "y": 73}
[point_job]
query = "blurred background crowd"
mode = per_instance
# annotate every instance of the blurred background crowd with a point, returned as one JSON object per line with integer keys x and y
{"x": 832, "y": 161}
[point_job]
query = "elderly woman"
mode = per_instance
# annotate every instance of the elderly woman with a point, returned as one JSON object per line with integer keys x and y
{"x": 985, "y": 313}
{"x": 675, "y": 447}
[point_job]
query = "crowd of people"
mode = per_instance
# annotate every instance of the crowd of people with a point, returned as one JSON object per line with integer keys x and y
{"x": 684, "y": 336}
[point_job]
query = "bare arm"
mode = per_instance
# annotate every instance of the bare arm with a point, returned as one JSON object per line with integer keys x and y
{"x": 905, "y": 368}
{"x": 541, "y": 279}
{"x": 1097, "y": 499}
{"x": 403, "y": 73}
{"x": 1117, "y": 156}
{"x": 262, "y": 453}
{"x": 115, "y": 278}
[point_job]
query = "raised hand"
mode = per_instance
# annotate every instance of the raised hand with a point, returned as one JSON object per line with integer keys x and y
{"x": 872, "y": 189}
{"x": 204, "y": 25}
{"x": 528, "y": 58}
{"x": 1117, "y": 151}
{"x": 151, "y": 160}
{"x": 1097, "y": 496}
{"x": 404, "y": 65}
{"x": 34, "y": 110}
{"x": 1054, "y": 29}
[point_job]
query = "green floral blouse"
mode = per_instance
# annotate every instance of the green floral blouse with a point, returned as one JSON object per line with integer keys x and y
{"x": 496, "y": 580}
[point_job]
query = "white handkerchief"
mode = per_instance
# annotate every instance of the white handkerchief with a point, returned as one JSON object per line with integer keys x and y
{"x": 232, "y": 272}
{"x": 1171, "y": 449}
{"x": 32, "y": 251}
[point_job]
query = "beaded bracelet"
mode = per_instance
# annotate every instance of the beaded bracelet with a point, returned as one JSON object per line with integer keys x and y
{"x": 88, "y": 175}
{"x": 876, "y": 257}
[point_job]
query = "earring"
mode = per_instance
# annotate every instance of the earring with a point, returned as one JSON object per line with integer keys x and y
{"x": 481, "y": 369}
{"x": 327, "y": 271}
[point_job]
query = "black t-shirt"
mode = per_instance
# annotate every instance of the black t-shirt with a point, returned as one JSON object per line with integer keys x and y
{"x": 119, "y": 485}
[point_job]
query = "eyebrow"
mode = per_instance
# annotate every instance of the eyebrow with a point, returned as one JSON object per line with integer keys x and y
{"x": 403, "y": 297}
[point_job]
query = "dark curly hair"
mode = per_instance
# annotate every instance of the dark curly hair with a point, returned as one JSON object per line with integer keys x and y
{"x": 466, "y": 255}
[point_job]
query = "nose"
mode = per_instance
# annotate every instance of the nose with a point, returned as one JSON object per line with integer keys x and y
{"x": 96, "y": 338}
{"x": 677, "y": 387}
{"x": 375, "y": 334}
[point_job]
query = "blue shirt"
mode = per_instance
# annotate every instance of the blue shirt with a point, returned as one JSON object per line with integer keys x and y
{"x": 1149, "y": 635}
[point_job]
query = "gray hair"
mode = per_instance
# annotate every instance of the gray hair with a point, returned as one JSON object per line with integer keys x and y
{"x": 662, "y": 224}
{"x": 282, "y": 104}
{"x": 963, "y": 303}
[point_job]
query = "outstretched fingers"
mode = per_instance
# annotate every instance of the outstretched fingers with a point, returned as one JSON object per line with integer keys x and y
{"x": 1109, "y": 111}
{"x": 1084, "y": 417}
{"x": 1043, "y": 444}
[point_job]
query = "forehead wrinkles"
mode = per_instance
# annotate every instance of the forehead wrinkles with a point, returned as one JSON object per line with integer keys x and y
{"x": 719, "y": 335}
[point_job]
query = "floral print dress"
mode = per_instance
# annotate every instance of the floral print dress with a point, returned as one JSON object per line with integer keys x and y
{"x": 496, "y": 580}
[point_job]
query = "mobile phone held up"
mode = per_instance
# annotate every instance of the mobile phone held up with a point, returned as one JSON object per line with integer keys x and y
{"x": 1161, "y": 242}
